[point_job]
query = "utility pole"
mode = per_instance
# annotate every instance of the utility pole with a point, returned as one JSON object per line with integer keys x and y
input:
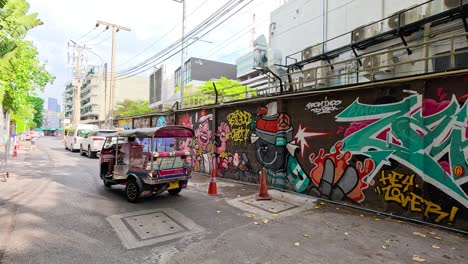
{"x": 105, "y": 96}
{"x": 76, "y": 116}
{"x": 115, "y": 29}
{"x": 182, "y": 59}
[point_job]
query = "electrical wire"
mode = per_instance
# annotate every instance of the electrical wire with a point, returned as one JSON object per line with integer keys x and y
{"x": 93, "y": 37}
{"x": 173, "y": 54}
{"x": 199, "y": 27}
{"x": 225, "y": 9}
{"x": 86, "y": 34}
{"x": 238, "y": 32}
{"x": 230, "y": 43}
{"x": 162, "y": 37}
{"x": 171, "y": 49}
{"x": 100, "y": 41}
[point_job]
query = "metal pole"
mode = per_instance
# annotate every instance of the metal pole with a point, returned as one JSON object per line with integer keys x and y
{"x": 182, "y": 62}
{"x": 77, "y": 90}
{"x": 112, "y": 84}
{"x": 115, "y": 29}
{"x": 105, "y": 96}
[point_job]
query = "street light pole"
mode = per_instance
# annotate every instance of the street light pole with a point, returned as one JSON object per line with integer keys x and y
{"x": 182, "y": 62}
{"x": 115, "y": 29}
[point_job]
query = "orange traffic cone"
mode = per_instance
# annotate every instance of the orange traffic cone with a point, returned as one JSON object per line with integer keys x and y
{"x": 213, "y": 190}
{"x": 15, "y": 150}
{"x": 263, "y": 190}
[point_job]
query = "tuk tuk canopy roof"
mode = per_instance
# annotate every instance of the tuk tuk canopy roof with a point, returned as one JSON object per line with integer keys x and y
{"x": 162, "y": 132}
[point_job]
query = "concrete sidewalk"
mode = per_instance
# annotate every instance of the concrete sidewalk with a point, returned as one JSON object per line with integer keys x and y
{"x": 322, "y": 233}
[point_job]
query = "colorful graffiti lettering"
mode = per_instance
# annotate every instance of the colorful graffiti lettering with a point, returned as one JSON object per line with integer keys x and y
{"x": 239, "y": 121}
{"x": 333, "y": 177}
{"x": 323, "y": 107}
{"x": 275, "y": 149}
{"x": 399, "y": 188}
{"x": 426, "y": 136}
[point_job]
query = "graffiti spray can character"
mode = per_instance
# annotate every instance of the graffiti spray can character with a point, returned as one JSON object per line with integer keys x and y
{"x": 275, "y": 149}
{"x": 203, "y": 145}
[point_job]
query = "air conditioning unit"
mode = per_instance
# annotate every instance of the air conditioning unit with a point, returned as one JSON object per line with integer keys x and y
{"x": 312, "y": 51}
{"x": 298, "y": 83}
{"x": 358, "y": 34}
{"x": 381, "y": 63}
{"x": 371, "y": 30}
{"x": 317, "y": 75}
{"x": 454, "y": 3}
{"x": 406, "y": 17}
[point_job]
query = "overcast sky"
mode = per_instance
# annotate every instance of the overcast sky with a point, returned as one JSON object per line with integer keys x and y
{"x": 149, "y": 20}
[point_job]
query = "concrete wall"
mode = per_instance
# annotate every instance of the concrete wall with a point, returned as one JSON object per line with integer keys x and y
{"x": 399, "y": 148}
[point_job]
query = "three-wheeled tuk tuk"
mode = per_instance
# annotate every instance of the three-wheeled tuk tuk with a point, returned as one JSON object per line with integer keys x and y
{"x": 146, "y": 160}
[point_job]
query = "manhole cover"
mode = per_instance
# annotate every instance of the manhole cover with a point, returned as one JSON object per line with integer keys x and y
{"x": 272, "y": 206}
{"x": 149, "y": 227}
{"x": 153, "y": 225}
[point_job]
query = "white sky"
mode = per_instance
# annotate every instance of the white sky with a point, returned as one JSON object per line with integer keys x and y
{"x": 149, "y": 20}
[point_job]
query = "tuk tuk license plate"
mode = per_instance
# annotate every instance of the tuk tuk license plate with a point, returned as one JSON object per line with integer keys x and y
{"x": 173, "y": 185}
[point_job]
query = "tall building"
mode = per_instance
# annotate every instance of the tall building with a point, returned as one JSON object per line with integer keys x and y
{"x": 161, "y": 85}
{"x": 52, "y": 114}
{"x": 52, "y": 105}
{"x": 320, "y": 52}
{"x": 197, "y": 71}
{"x": 247, "y": 75}
{"x": 95, "y": 95}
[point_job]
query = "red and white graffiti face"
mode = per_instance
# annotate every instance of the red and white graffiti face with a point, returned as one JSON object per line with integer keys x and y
{"x": 203, "y": 134}
{"x": 185, "y": 144}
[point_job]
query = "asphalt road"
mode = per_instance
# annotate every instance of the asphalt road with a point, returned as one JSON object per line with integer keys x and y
{"x": 54, "y": 210}
{"x": 59, "y": 207}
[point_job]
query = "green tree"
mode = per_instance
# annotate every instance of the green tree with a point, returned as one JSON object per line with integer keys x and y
{"x": 129, "y": 107}
{"x": 228, "y": 90}
{"x": 38, "y": 107}
{"x": 15, "y": 22}
{"x": 22, "y": 75}
{"x": 18, "y": 58}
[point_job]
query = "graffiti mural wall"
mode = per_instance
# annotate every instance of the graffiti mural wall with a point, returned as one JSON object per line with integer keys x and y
{"x": 401, "y": 149}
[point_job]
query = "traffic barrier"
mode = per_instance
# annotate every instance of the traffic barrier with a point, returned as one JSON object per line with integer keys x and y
{"x": 263, "y": 190}
{"x": 213, "y": 190}
{"x": 15, "y": 149}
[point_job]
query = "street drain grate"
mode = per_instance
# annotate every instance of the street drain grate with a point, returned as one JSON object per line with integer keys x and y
{"x": 272, "y": 206}
{"x": 149, "y": 227}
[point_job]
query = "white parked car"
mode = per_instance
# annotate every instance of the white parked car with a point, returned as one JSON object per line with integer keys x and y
{"x": 93, "y": 141}
{"x": 75, "y": 135}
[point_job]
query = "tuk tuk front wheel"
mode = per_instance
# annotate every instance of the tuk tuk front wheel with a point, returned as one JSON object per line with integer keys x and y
{"x": 132, "y": 191}
{"x": 106, "y": 183}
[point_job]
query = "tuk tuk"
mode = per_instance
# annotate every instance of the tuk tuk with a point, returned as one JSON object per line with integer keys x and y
{"x": 146, "y": 160}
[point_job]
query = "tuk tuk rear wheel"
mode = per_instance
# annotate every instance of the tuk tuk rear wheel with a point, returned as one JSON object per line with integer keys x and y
{"x": 174, "y": 191}
{"x": 132, "y": 191}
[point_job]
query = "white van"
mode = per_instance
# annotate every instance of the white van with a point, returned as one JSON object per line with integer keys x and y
{"x": 75, "y": 135}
